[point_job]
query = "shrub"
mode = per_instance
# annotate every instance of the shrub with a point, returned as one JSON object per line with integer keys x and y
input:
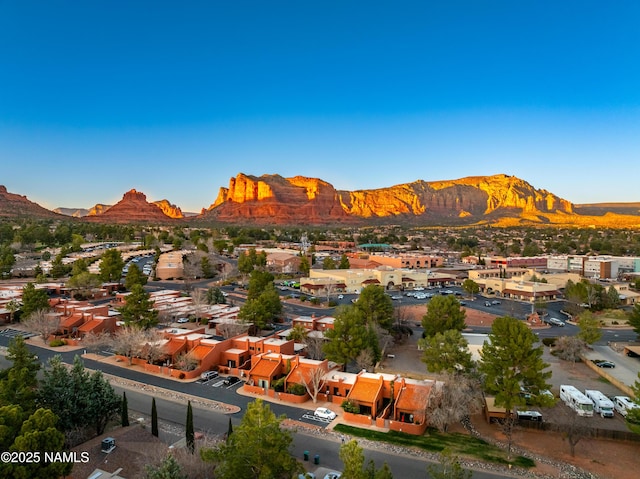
{"x": 278, "y": 384}
{"x": 332, "y": 303}
{"x": 549, "y": 341}
{"x": 57, "y": 342}
{"x": 297, "y": 389}
{"x": 314, "y": 301}
{"x": 351, "y": 407}
{"x": 303, "y": 298}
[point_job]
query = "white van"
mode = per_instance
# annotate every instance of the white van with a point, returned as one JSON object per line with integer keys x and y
{"x": 623, "y": 404}
{"x": 207, "y": 375}
{"x": 601, "y": 403}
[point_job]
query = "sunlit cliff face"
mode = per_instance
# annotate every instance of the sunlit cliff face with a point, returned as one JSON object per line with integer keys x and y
{"x": 282, "y": 200}
{"x": 172, "y": 211}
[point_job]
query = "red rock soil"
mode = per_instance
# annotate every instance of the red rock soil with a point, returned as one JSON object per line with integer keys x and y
{"x": 607, "y": 459}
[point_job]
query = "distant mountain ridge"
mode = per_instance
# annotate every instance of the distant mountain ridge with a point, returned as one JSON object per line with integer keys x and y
{"x": 271, "y": 199}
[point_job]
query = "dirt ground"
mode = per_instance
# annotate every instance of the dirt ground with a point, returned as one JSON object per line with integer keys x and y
{"x": 605, "y": 458}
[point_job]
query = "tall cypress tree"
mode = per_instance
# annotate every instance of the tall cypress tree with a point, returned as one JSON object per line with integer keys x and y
{"x": 190, "y": 435}
{"x": 154, "y": 418}
{"x": 125, "y": 410}
{"x": 229, "y": 430}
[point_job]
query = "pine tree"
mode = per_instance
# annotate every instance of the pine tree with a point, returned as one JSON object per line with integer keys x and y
{"x": 190, "y": 435}
{"x": 125, "y": 410}
{"x": 154, "y": 418}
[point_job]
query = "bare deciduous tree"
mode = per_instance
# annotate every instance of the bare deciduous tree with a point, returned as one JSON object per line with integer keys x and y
{"x": 365, "y": 359}
{"x": 186, "y": 362}
{"x": 574, "y": 428}
{"x": 96, "y": 341}
{"x": 313, "y": 382}
{"x": 229, "y": 330}
{"x": 453, "y": 399}
{"x": 42, "y": 323}
{"x": 570, "y": 348}
{"x": 314, "y": 347}
{"x": 129, "y": 341}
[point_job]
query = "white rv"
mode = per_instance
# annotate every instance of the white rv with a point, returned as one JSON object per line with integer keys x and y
{"x": 601, "y": 403}
{"x": 623, "y": 404}
{"x": 577, "y": 401}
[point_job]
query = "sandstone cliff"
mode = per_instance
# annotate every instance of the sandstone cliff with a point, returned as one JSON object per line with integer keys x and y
{"x": 171, "y": 210}
{"x": 132, "y": 208}
{"x": 300, "y": 200}
{"x": 98, "y": 209}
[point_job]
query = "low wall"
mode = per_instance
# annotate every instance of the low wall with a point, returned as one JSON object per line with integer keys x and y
{"x": 357, "y": 419}
{"x": 416, "y": 429}
{"x": 616, "y": 382}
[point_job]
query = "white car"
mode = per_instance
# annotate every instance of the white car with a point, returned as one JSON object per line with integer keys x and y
{"x": 324, "y": 413}
{"x": 333, "y": 475}
{"x": 340, "y": 296}
{"x": 183, "y": 320}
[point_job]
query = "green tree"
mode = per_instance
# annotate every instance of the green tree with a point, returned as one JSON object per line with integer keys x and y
{"x": 470, "y": 287}
{"x": 634, "y": 318}
{"x": 633, "y": 416}
{"x": 83, "y": 282}
{"x": 138, "y": 309}
{"x": 344, "y": 262}
{"x": 258, "y": 283}
{"x": 510, "y": 361}
{"x": 134, "y": 276}
{"x": 11, "y": 419}
{"x": 349, "y": 336}
{"x": 18, "y": 384}
{"x": 304, "y": 267}
{"x": 446, "y": 352}
{"x": 111, "y": 266}
{"x": 352, "y": 456}
{"x": 443, "y": 313}
{"x": 258, "y": 448}
{"x": 154, "y": 418}
{"x": 215, "y": 296}
{"x": 376, "y": 306}
{"x": 38, "y": 433}
{"x": 103, "y": 404}
{"x": 124, "y": 410}
{"x": 189, "y": 432}
{"x": 611, "y": 298}
{"x": 34, "y": 299}
{"x": 169, "y": 468}
{"x": 262, "y": 310}
{"x": 7, "y": 260}
{"x": 328, "y": 263}
{"x": 12, "y": 306}
{"x": 448, "y": 467}
{"x": 589, "y": 325}
{"x": 206, "y": 267}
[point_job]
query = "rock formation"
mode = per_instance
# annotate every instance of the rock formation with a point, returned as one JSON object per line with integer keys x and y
{"x": 300, "y": 200}
{"x": 132, "y": 208}
{"x": 98, "y": 209}
{"x": 17, "y": 206}
{"x": 171, "y": 210}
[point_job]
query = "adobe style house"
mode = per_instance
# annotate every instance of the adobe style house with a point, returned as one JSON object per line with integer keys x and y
{"x": 79, "y": 318}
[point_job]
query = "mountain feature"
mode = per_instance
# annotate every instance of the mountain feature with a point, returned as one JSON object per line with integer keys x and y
{"x": 18, "y": 206}
{"x": 273, "y": 199}
{"x": 499, "y": 200}
{"x": 74, "y": 212}
{"x": 133, "y": 207}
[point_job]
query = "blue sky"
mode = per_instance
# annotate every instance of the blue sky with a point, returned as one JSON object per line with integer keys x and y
{"x": 174, "y": 98}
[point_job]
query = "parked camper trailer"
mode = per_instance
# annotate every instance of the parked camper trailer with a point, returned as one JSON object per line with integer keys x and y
{"x": 601, "y": 403}
{"x": 576, "y": 400}
{"x": 623, "y": 404}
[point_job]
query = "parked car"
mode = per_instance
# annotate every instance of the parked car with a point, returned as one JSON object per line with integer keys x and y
{"x": 307, "y": 475}
{"x": 340, "y": 296}
{"x": 529, "y": 415}
{"x": 183, "y": 320}
{"x": 487, "y": 303}
{"x": 231, "y": 380}
{"x": 495, "y": 301}
{"x": 324, "y": 413}
{"x": 333, "y": 475}
{"x": 555, "y": 322}
{"x": 603, "y": 363}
